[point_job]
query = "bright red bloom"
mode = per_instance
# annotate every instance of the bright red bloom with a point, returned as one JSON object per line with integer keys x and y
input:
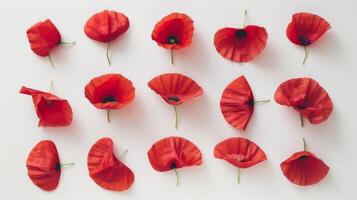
{"x": 174, "y": 31}
{"x": 43, "y": 36}
{"x": 105, "y": 169}
{"x": 50, "y": 109}
{"x": 304, "y": 168}
{"x": 240, "y": 152}
{"x": 306, "y": 28}
{"x": 173, "y": 153}
{"x": 307, "y": 97}
{"x": 110, "y": 91}
{"x": 175, "y": 88}
{"x": 240, "y": 45}
{"x": 106, "y": 26}
{"x": 43, "y": 165}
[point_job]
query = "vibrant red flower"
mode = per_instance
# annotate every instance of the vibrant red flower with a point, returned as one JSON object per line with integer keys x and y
{"x": 240, "y": 44}
{"x": 174, "y": 31}
{"x": 43, "y": 36}
{"x": 106, "y": 26}
{"x": 307, "y": 97}
{"x": 43, "y": 165}
{"x": 105, "y": 169}
{"x": 304, "y": 168}
{"x": 50, "y": 109}
{"x": 306, "y": 28}
{"x": 174, "y": 153}
{"x": 240, "y": 152}
{"x": 110, "y": 91}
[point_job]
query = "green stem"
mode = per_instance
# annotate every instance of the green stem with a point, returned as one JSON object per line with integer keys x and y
{"x": 108, "y": 54}
{"x": 51, "y": 87}
{"x": 262, "y": 101}
{"x": 177, "y": 177}
{"x": 123, "y": 154}
{"x": 49, "y": 58}
{"x": 305, "y": 147}
{"x": 305, "y": 57}
{"x": 108, "y": 115}
{"x": 67, "y": 164}
{"x": 245, "y": 18}
{"x": 238, "y": 175}
{"x": 176, "y": 117}
{"x": 301, "y": 120}
{"x": 68, "y": 43}
{"x": 172, "y": 56}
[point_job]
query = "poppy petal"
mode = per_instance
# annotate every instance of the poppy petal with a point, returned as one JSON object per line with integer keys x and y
{"x": 43, "y": 165}
{"x": 172, "y": 153}
{"x": 174, "y": 31}
{"x": 105, "y": 169}
{"x": 110, "y": 91}
{"x": 175, "y": 88}
{"x": 307, "y": 97}
{"x": 306, "y": 28}
{"x": 51, "y": 110}
{"x": 304, "y": 168}
{"x": 240, "y": 45}
{"x": 240, "y": 152}
{"x": 237, "y": 103}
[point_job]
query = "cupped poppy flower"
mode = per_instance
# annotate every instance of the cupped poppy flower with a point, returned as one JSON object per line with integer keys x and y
{"x": 51, "y": 110}
{"x": 172, "y": 153}
{"x": 307, "y": 97}
{"x": 175, "y": 89}
{"x": 239, "y": 152}
{"x": 304, "y": 168}
{"x": 43, "y": 37}
{"x": 174, "y": 31}
{"x": 106, "y": 26}
{"x": 306, "y": 28}
{"x": 106, "y": 169}
{"x": 237, "y": 103}
{"x": 240, "y": 44}
{"x": 110, "y": 91}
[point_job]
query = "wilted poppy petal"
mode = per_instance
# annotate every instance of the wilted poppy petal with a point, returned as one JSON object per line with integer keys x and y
{"x": 307, "y": 97}
{"x": 237, "y": 103}
{"x": 43, "y": 165}
{"x": 43, "y": 36}
{"x": 240, "y": 152}
{"x": 304, "y": 168}
{"x": 174, "y": 31}
{"x": 110, "y": 91}
{"x": 306, "y": 28}
{"x": 105, "y": 169}
{"x": 175, "y": 88}
{"x": 240, "y": 45}
{"x": 51, "y": 110}
{"x": 173, "y": 153}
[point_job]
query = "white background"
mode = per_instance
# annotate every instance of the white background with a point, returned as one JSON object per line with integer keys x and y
{"x": 276, "y": 129}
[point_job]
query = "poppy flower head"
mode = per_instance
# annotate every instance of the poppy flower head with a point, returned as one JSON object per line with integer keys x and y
{"x": 304, "y": 168}
{"x": 43, "y": 165}
{"x": 237, "y": 103}
{"x": 110, "y": 91}
{"x": 174, "y": 31}
{"x": 43, "y": 36}
{"x": 175, "y": 88}
{"x": 306, "y": 28}
{"x": 307, "y": 97}
{"x": 106, "y": 26}
{"x": 240, "y": 44}
{"x": 51, "y": 110}
{"x": 240, "y": 152}
{"x": 173, "y": 153}
{"x": 106, "y": 169}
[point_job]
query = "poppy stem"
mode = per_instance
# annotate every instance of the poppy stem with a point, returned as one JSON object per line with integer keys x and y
{"x": 262, "y": 101}
{"x": 68, "y": 43}
{"x": 51, "y": 87}
{"x": 108, "y": 54}
{"x": 305, "y": 147}
{"x": 238, "y": 175}
{"x": 108, "y": 115}
{"x": 301, "y": 120}
{"x": 50, "y": 59}
{"x": 245, "y": 18}
{"x": 305, "y": 57}
{"x": 123, "y": 154}
{"x": 176, "y": 117}
{"x": 172, "y": 56}
{"x": 67, "y": 164}
{"x": 177, "y": 177}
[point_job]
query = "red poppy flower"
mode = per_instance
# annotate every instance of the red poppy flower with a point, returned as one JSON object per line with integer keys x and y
{"x": 174, "y": 31}
{"x": 307, "y": 97}
{"x": 50, "y": 109}
{"x": 172, "y": 153}
{"x": 304, "y": 168}
{"x": 110, "y": 91}
{"x": 43, "y": 165}
{"x": 175, "y": 88}
{"x": 106, "y": 26}
{"x": 105, "y": 169}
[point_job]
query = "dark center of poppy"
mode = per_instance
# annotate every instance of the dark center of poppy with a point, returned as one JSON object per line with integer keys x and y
{"x": 301, "y": 107}
{"x": 304, "y": 41}
{"x": 241, "y": 33}
{"x": 108, "y": 99}
{"x": 172, "y": 40}
{"x": 174, "y": 98}
{"x": 173, "y": 165}
{"x": 303, "y": 157}
{"x": 251, "y": 102}
{"x": 58, "y": 167}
